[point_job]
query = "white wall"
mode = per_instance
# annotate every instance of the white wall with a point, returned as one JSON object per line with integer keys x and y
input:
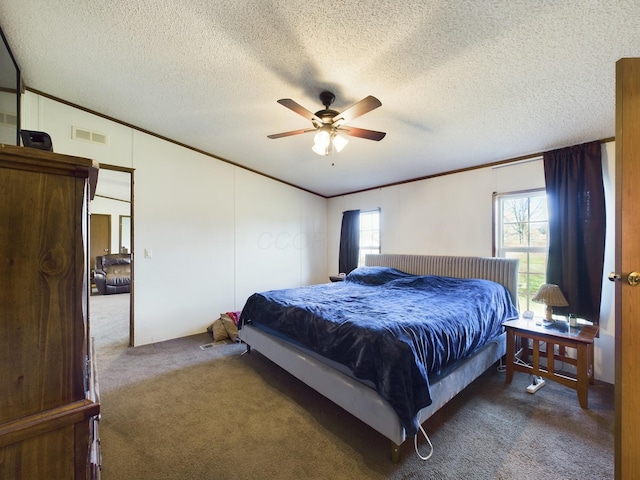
{"x": 441, "y": 216}
{"x": 282, "y": 225}
{"x": 452, "y": 215}
{"x": 184, "y": 223}
{"x": 215, "y": 232}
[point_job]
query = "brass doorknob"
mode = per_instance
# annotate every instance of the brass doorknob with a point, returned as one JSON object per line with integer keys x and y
{"x": 613, "y": 276}
{"x": 634, "y": 279}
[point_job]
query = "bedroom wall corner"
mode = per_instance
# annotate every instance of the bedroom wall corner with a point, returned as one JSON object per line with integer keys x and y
{"x": 280, "y": 236}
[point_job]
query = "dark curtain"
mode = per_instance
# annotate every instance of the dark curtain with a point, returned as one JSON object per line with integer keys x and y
{"x": 349, "y": 241}
{"x": 575, "y": 196}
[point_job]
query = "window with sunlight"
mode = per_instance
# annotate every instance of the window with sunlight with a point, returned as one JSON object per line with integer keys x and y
{"x": 369, "y": 234}
{"x": 522, "y": 231}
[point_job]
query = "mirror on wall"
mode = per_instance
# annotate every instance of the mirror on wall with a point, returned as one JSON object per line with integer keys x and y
{"x": 9, "y": 96}
{"x": 112, "y": 201}
{"x": 111, "y": 240}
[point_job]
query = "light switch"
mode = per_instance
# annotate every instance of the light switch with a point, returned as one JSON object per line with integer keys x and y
{"x": 148, "y": 253}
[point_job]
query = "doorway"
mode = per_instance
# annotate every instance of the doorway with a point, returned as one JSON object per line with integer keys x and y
{"x": 112, "y": 226}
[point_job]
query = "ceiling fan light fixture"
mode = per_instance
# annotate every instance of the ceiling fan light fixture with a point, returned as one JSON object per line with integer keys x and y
{"x": 328, "y": 122}
{"x": 320, "y": 150}
{"x": 327, "y": 142}
{"x": 322, "y": 142}
{"x": 339, "y": 142}
{"x": 322, "y": 139}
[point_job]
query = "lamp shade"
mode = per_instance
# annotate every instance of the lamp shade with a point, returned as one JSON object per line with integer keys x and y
{"x": 339, "y": 142}
{"x": 551, "y": 296}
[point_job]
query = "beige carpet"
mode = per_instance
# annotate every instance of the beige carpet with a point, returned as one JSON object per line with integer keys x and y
{"x": 174, "y": 411}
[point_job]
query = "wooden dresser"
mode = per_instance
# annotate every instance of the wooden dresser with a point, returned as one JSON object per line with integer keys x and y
{"x": 49, "y": 405}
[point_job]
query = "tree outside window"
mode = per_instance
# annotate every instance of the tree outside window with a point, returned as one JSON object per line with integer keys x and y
{"x": 522, "y": 228}
{"x": 369, "y": 234}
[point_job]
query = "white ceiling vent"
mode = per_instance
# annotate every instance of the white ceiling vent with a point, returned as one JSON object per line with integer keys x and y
{"x": 86, "y": 135}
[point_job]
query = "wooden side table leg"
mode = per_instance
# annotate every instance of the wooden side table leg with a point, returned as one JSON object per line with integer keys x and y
{"x": 583, "y": 376}
{"x": 535, "y": 361}
{"x": 511, "y": 354}
{"x": 551, "y": 356}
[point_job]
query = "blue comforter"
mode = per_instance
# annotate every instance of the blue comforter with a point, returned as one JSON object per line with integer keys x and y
{"x": 389, "y": 327}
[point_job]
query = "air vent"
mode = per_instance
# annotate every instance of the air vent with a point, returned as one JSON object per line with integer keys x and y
{"x": 8, "y": 119}
{"x": 86, "y": 135}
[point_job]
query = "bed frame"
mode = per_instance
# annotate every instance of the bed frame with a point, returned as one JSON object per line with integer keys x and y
{"x": 362, "y": 401}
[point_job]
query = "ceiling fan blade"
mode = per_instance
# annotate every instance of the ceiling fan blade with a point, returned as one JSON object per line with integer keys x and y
{"x": 362, "y": 133}
{"x": 354, "y": 111}
{"x": 292, "y": 132}
{"x": 299, "y": 109}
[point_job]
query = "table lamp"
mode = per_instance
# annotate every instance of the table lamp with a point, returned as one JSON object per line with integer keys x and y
{"x": 551, "y": 296}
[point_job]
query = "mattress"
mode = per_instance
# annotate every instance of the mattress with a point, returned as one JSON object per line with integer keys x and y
{"x": 391, "y": 329}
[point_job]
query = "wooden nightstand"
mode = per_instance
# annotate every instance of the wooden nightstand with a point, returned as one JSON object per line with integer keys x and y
{"x": 579, "y": 338}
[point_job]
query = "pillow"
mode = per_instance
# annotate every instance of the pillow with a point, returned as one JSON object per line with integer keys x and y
{"x": 223, "y": 328}
{"x": 375, "y": 275}
{"x": 218, "y": 331}
{"x": 230, "y": 326}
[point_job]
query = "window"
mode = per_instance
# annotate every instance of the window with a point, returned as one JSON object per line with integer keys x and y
{"x": 369, "y": 234}
{"x": 522, "y": 232}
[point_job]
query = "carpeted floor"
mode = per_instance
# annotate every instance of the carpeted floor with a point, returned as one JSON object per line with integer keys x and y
{"x": 175, "y": 411}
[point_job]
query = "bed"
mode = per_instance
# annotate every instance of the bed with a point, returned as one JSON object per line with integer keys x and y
{"x": 383, "y": 361}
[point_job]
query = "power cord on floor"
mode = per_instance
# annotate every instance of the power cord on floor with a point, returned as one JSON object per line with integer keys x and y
{"x": 502, "y": 367}
{"x": 415, "y": 442}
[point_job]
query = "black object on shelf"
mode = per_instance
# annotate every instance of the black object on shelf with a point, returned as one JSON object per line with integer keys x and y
{"x": 34, "y": 139}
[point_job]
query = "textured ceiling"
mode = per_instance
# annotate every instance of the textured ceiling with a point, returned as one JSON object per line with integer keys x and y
{"x": 462, "y": 83}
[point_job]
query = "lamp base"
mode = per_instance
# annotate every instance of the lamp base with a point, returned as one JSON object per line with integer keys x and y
{"x": 548, "y": 317}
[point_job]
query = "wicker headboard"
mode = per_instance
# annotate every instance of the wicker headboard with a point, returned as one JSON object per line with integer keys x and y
{"x": 500, "y": 270}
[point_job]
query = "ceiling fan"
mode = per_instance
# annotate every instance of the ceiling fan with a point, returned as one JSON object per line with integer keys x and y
{"x": 329, "y": 123}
